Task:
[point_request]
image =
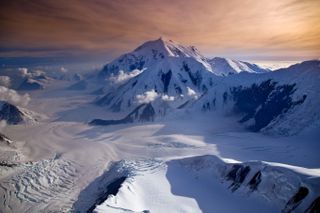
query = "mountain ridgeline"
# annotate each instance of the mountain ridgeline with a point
(162, 76)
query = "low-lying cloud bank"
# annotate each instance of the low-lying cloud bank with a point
(151, 96)
(13, 97)
(147, 97)
(5, 81)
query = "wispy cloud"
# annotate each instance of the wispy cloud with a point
(13, 97)
(217, 27)
(147, 97)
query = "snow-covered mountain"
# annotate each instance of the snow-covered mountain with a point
(161, 71)
(225, 66)
(150, 53)
(163, 76)
(284, 101)
(16, 115)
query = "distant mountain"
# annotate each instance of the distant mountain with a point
(225, 66)
(16, 115)
(10, 113)
(31, 84)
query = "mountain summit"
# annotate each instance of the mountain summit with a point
(162, 75)
(159, 50)
(154, 52)
(160, 67)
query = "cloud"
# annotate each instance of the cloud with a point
(24, 71)
(217, 27)
(167, 98)
(152, 95)
(5, 81)
(123, 76)
(147, 97)
(63, 70)
(38, 73)
(13, 97)
(192, 93)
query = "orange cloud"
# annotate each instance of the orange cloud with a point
(246, 28)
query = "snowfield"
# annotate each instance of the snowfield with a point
(175, 165)
(173, 150)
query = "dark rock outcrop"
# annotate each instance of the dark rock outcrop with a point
(10, 113)
(30, 84)
(255, 181)
(314, 207)
(296, 199)
(264, 102)
(143, 113)
(237, 175)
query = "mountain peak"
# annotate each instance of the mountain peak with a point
(168, 48)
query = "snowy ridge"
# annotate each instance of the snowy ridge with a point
(12, 114)
(225, 66)
(293, 90)
(277, 185)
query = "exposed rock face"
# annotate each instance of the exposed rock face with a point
(314, 207)
(31, 84)
(296, 199)
(264, 102)
(10, 113)
(143, 113)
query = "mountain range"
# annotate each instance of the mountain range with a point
(163, 76)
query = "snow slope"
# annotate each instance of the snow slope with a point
(225, 66)
(284, 101)
(209, 184)
(174, 73)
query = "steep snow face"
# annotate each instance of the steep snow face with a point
(225, 66)
(165, 70)
(214, 184)
(284, 101)
(173, 78)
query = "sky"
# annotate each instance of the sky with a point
(240, 29)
